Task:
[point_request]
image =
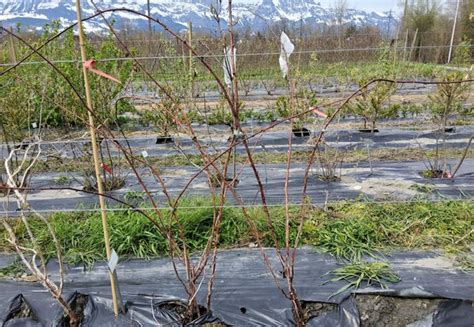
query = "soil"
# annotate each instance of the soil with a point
(429, 173)
(328, 179)
(180, 309)
(111, 184)
(21, 311)
(315, 309)
(78, 305)
(3, 191)
(385, 311)
(387, 189)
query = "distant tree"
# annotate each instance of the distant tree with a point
(467, 22)
(421, 16)
(340, 11)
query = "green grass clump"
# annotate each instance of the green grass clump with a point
(465, 262)
(370, 273)
(81, 236)
(354, 229)
(350, 239)
(15, 269)
(348, 230)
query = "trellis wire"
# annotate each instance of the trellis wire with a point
(72, 61)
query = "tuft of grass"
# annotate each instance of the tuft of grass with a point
(348, 230)
(349, 239)
(63, 180)
(433, 173)
(358, 273)
(15, 269)
(353, 229)
(178, 160)
(423, 188)
(465, 262)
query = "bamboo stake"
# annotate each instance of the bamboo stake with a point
(149, 20)
(412, 45)
(405, 47)
(191, 68)
(395, 46)
(453, 32)
(100, 186)
(235, 85)
(12, 47)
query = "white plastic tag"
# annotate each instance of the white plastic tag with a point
(113, 261)
(144, 154)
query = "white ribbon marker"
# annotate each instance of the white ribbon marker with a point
(287, 48)
(228, 66)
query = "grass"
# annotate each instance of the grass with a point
(432, 173)
(358, 228)
(350, 156)
(349, 239)
(370, 273)
(264, 71)
(15, 269)
(465, 262)
(348, 230)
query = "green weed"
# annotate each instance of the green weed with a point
(15, 269)
(370, 273)
(348, 230)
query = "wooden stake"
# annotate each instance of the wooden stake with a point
(191, 68)
(395, 46)
(149, 20)
(12, 46)
(412, 45)
(95, 154)
(405, 47)
(454, 32)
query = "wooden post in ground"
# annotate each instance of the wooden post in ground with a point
(12, 47)
(453, 32)
(95, 154)
(405, 47)
(413, 45)
(191, 65)
(149, 20)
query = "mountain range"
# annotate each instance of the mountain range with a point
(176, 14)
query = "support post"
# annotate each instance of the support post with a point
(413, 45)
(12, 47)
(95, 154)
(405, 47)
(149, 20)
(191, 64)
(454, 32)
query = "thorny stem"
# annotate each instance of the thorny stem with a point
(31, 265)
(234, 108)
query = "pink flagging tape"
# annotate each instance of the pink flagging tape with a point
(106, 168)
(318, 113)
(91, 66)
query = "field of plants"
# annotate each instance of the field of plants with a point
(270, 179)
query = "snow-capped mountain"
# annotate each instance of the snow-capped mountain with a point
(177, 13)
